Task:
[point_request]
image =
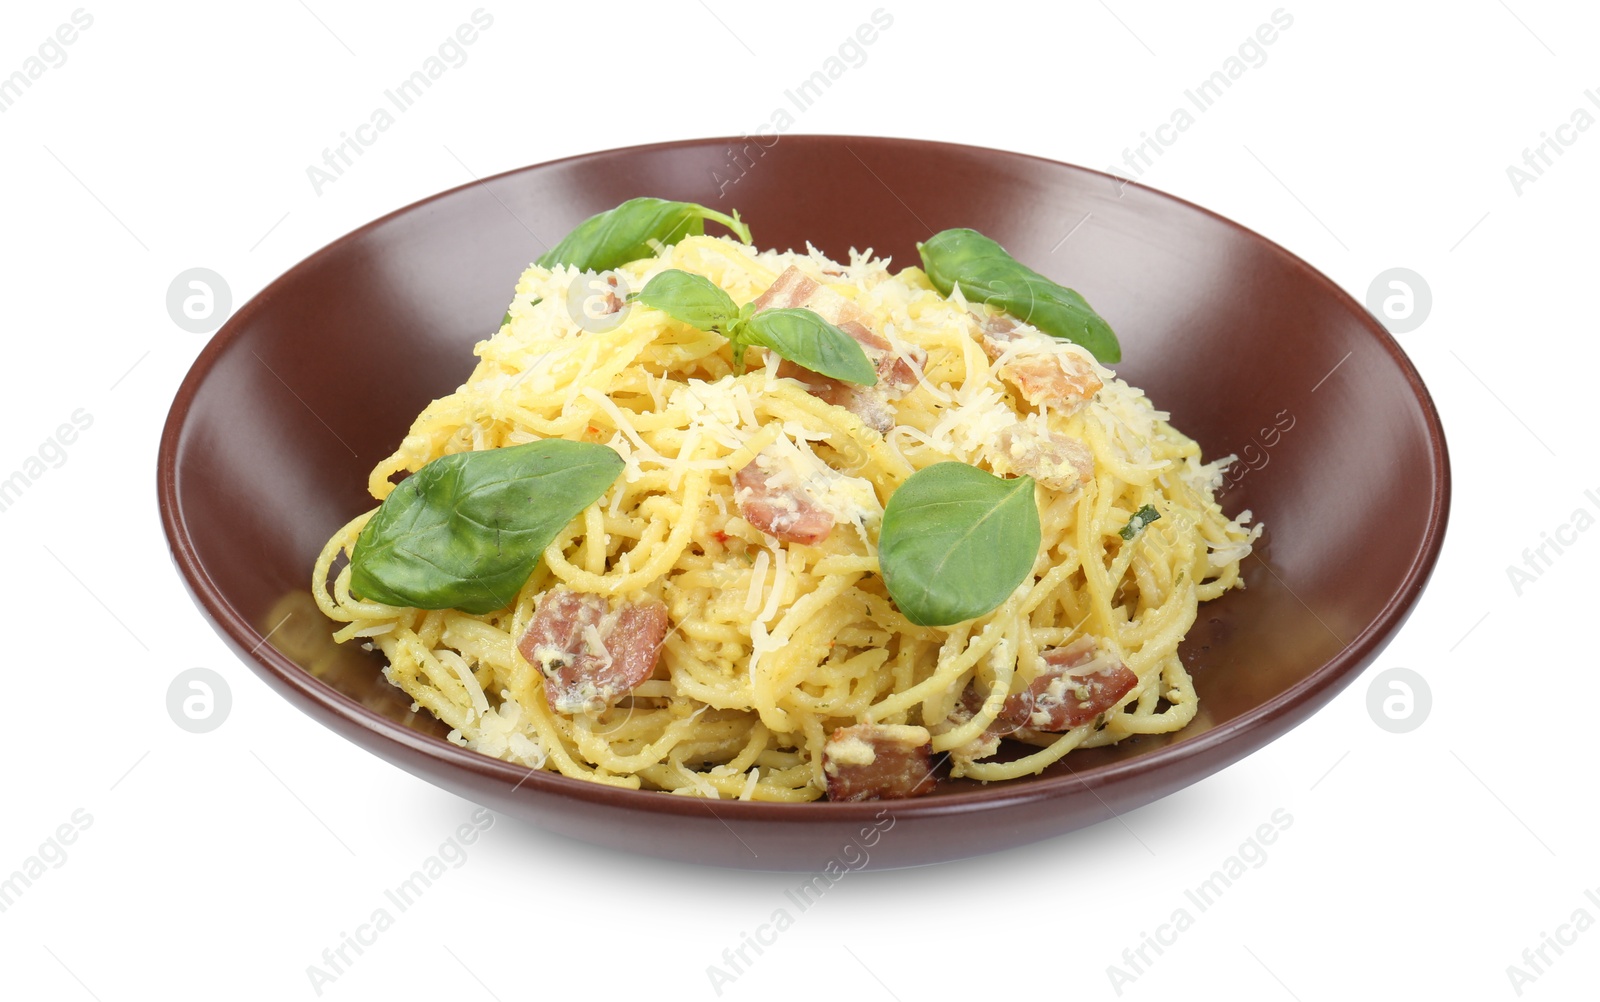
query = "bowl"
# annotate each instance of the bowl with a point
(269, 441)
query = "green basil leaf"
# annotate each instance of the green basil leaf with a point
(617, 236)
(988, 274)
(956, 541)
(1141, 518)
(466, 530)
(691, 299)
(803, 337)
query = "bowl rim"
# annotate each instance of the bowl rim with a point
(1334, 673)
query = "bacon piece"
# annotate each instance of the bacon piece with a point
(591, 654)
(789, 512)
(878, 762)
(868, 403)
(1082, 682)
(998, 327)
(794, 288)
(1013, 712)
(1079, 683)
(1063, 380)
(897, 372)
(1058, 461)
(1042, 376)
(984, 744)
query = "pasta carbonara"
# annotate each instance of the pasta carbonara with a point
(717, 623)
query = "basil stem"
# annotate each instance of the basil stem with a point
(1141, 518)
(466, 531)
(956, 541)
(986, 273)
(617, 236)
(799, 335)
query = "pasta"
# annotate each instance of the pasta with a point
(776, 649)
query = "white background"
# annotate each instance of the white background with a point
(221, 865)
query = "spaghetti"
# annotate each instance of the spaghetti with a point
(774, 647)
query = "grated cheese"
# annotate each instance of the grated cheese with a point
(780, 581)
(758, 581)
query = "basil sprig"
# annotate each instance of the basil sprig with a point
(617, 236)
(466, 530)
(799, 335)
(988, 274)
(956, 541)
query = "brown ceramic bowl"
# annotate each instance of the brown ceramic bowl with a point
(268, 444)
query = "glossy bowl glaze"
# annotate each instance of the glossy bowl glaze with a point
(269, 441)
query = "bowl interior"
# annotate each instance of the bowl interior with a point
(1251, 350)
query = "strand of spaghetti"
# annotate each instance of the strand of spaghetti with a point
(1179, 693)
(683, 526)
(788, 401)
(771, 791)
(989, 772)
(481, 642)
(951, 666)
(626, 425)
(754, 745)
(1090, 531)
(342, 608)
(469, 682)
(595, 540)
(767, 678)
(1109, 461)
(403, 653)
(418, 653)
(597, 749)
(548, 733)
(846, 563)
(846, 689)
(1001, 663)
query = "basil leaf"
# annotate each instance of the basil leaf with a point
(691, 299)
(956, 541)
(803, 337)
(617, 236)
(466, 530)
(988, 274)
(1141, 518)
